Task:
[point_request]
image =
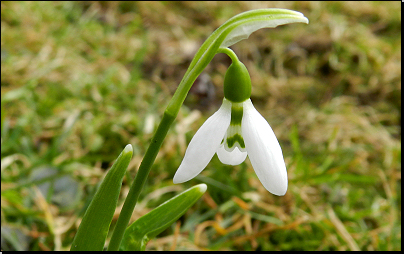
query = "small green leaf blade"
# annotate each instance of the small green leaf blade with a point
(94, 227)
(150, 225)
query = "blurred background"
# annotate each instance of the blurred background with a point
(80, 80)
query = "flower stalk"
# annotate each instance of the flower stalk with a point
(140, 179)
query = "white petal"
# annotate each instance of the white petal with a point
(264, 151)
(204, 144)
(233, 158)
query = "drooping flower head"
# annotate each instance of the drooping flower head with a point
(236, 130)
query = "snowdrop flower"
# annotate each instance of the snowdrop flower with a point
(236, 130)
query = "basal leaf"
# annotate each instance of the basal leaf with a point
(96, 221)
(150, 225)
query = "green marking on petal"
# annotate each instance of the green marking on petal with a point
(236, 138)
(234, 135)
(236, 114)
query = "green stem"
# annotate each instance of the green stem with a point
(230, 53)
(151, 153)
(140, 180)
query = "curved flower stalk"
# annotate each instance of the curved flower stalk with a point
(235, 130)
(235, 29)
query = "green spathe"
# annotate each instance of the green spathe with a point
(237, 82)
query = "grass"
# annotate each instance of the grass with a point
(80, 80)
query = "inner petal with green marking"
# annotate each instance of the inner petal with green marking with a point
(234, 137)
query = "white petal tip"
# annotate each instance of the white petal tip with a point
(181, 176)
(278, 190)
(279, 193)
(233, 158)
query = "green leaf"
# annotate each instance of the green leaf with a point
(150, 225)
(96, 221)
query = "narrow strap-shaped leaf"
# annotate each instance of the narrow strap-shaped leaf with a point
(150, 225)
(96, 221)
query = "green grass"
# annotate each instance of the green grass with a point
(80, 80)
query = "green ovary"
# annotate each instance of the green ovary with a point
(237, 83)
